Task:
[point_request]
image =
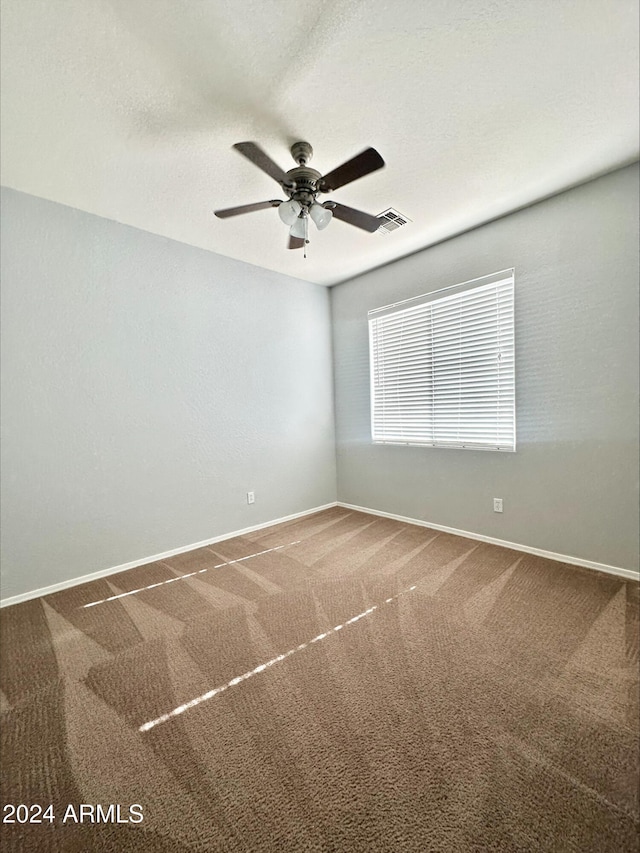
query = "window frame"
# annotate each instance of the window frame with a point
(500, 277)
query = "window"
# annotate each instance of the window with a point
(442, 367)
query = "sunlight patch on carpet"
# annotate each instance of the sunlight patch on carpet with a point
(189, 575)
(145, 727)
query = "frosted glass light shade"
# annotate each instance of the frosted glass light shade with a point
(320, 215)
(288, 211)
(299, 228)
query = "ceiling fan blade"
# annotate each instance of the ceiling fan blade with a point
(354, 217)
(296, 242)
(246, 208)
(258, 157)
(362, 164)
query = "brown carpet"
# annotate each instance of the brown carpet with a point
(402, 690)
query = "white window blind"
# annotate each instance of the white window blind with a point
(442, 368)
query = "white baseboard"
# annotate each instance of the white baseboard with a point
(539, 552)
(103, 573)
(550, 555)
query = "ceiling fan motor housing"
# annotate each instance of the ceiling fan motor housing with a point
(302, 185)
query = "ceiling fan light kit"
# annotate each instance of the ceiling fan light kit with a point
(289, 211)
(322, 216)
(303, 185)
(299, 227)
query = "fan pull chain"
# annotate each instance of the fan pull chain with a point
(306, 235)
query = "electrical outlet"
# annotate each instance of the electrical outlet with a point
(251, 497)
(497, 504)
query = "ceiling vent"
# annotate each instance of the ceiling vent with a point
(391, 220)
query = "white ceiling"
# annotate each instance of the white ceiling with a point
(128, 109)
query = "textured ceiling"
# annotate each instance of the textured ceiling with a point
(128, 109)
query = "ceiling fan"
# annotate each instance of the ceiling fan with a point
(303, 185)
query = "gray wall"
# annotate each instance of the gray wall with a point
(147, 385)
(572, 485)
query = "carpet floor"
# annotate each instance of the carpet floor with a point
(340, 682)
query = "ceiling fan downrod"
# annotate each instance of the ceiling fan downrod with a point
(301, 152)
